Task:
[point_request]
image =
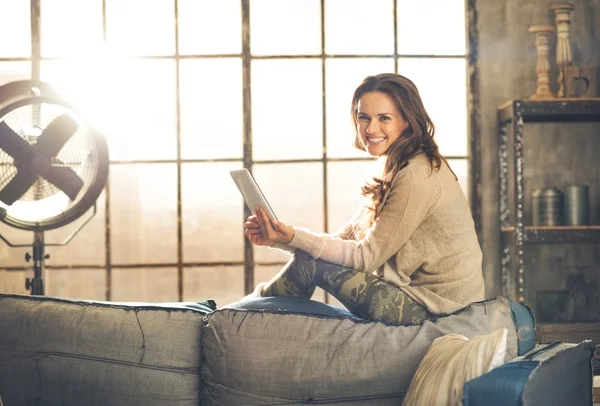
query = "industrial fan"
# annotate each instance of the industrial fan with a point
(53, 166)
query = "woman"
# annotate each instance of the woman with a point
(411, 252)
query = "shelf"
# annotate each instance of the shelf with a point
(552, 110)
(555, 235)
(568, 332)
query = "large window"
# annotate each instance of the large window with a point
(186, 90)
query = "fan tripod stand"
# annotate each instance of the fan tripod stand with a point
(36, 283)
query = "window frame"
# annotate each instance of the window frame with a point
(473, 138)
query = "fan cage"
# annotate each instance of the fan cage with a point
(44, 206)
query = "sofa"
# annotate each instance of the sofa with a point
(265, 351)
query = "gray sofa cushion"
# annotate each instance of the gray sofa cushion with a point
(55, 351)
(277, 352)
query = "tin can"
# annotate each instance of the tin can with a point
(547, 207)
(576, 205)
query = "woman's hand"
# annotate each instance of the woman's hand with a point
(262, 231)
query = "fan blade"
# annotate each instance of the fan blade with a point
(56, 135)
(12, 144)
(65, 179)
(17, 187)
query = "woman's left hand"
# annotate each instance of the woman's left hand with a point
(271, 230)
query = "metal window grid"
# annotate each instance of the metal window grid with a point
(474, 144)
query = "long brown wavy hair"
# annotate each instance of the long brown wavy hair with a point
(416, 138)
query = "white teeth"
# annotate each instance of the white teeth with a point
(374, 140)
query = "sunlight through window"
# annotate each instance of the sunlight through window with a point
(211, 108)
(13, 71)
(353, 27)
(296, 29)
(126, 101)
(287, 112)
(135, 28)
(76, 33)
(443, 33)
(212, 213)
(165, 84)
(202, 21)
(15, 29)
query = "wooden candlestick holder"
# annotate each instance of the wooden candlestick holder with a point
(542, 36)
(564, 57)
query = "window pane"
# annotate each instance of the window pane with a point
(442, 34)
(70, 78)
(15, 256)
(58, 38)
(265, 273)
(355, 28)
(144, 285)
(15, 29)
(76, 283)
(287, 120)
(295, 192)
(12, 71)
(143, 213)
(137, 124)
(344, 180)
(134, 28)
(213, 213)
(131, 101)
(14, 282)
(447, 108)
(144, 113)
(343, 76)
(202, 21)
(291, 27)
(223, 284)
(212, 122)
(87, 247)
(461, 170)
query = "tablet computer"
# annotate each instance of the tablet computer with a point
(252, 194)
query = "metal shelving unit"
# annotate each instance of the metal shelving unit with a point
(554, 235)
(512, 117)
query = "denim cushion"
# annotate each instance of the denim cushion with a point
(525, 322)
(554, 374)
(291, 305)
(292, 351)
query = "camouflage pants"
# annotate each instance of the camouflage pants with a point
(363, 294)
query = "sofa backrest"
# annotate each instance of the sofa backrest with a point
(288, 351)
(68, 352)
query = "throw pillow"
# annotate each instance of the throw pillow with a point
(451, 361)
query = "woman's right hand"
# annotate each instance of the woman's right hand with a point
(255, 234)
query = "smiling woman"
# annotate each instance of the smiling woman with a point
(410, 252)
(183, 94)
(379, 123)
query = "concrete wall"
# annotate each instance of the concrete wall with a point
(563, 154)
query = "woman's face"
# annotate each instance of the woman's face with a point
(379, 122)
